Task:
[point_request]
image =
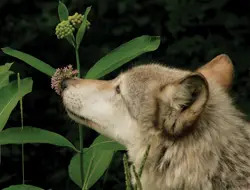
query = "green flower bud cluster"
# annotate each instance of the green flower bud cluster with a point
(67, 27)
(76, 20)
(64, 29)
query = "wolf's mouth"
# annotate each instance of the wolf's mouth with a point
(78, 116)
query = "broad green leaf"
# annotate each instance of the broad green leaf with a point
(95, 164)
(32, 61)
(23, 187)
(17, 135)
(74, 168)
(63, 12)
(104, 143)
(82, 29)
(123, 54)
(96, 160)
(4, 78)
(100, 161)
(6, 67)
(9, 97)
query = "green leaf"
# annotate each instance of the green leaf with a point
(4, 78)
(95, 164)
(71, 40)
(63, 12)
(17, 135)
(100, 161)
(9, 97)
(123, 54)
(96, 160)
(32, 61)
(82, 29)
(6, 67)
(104, 143)
(5, 74)
(22, 187)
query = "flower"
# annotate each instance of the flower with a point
(76, 20)
(64, 29)
(60, 75)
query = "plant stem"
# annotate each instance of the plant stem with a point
(81, 152)
(85, 185)
(137, 178)
(78, 62)
(145, 156)
(127, 173)
(0, 154)
(80, 127)
(21, 111)
(23, 163)
(143, 161)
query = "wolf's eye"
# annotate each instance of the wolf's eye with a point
(117, 89)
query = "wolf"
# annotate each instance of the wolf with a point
(198, 139)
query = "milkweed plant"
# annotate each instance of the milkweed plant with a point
(88, 164)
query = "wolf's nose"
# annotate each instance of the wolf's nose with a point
(64, 84)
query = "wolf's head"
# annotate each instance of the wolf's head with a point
(149, 99)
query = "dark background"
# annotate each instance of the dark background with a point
(192, 33)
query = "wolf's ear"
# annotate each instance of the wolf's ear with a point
(220, 69)
(183, 102)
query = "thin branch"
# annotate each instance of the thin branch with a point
(21, 111)
(127, 173)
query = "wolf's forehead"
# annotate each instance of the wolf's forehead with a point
(156, 73)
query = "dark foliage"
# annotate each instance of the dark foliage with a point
(192, 33)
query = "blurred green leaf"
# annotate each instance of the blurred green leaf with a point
(4, 78)
(32, 61)
(22, 187)
(82, 29)
(9, 98)
(123, 54)
(17, 135)
(63, 12)
(96, 160)
(4, 74)
(6, 67)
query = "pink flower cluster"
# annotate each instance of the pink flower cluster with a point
(60, 74)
